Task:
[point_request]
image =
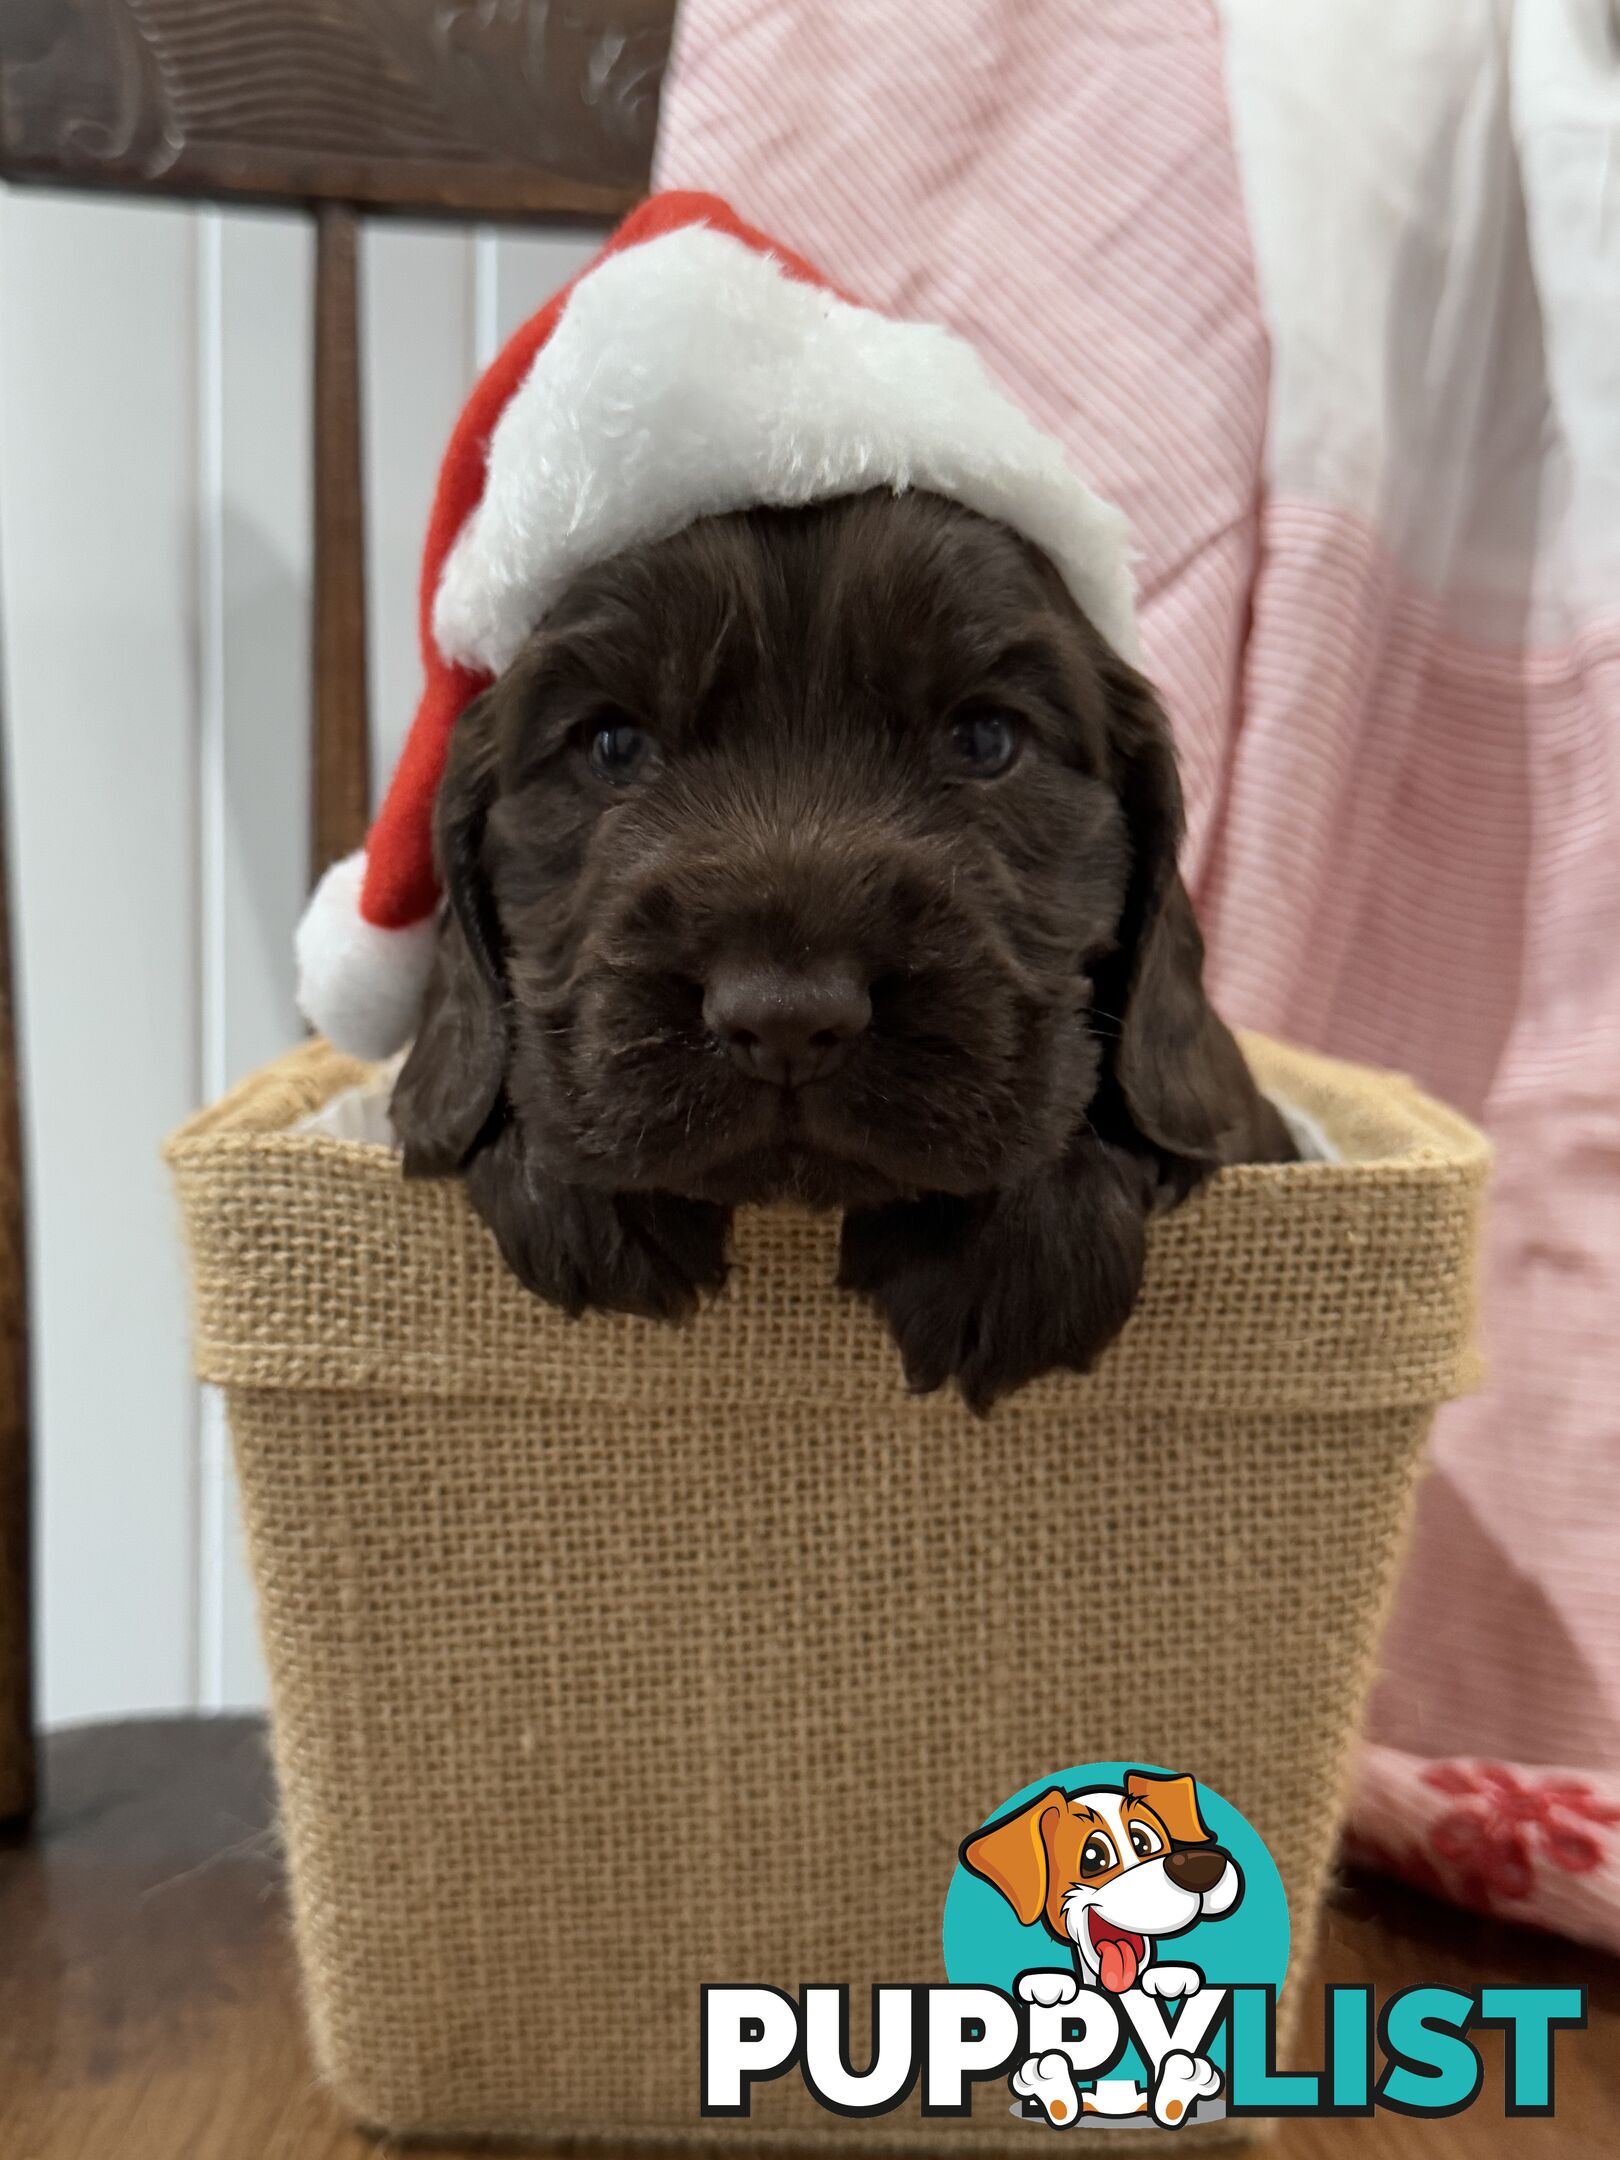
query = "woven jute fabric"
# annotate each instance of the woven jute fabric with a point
(607, 1660)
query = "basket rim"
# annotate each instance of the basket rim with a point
(1444, 1144)
(1403, 1219)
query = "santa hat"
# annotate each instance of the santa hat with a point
(692, 367)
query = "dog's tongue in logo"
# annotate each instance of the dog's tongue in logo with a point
(1119, 1953)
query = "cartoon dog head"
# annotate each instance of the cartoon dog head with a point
(1109, 1871)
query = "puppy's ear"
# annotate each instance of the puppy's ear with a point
(449, 1087)
(1182, 1075)
(1175, 1801)
(1012, 1855)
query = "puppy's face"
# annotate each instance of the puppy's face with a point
(798, 845)
(1110, 1871)
(804, 847)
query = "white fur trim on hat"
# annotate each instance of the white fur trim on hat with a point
(360, 985)
(691, 375)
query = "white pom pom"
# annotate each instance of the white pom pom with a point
(361, 986)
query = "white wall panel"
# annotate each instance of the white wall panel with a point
(529, 267)
(155, 573)
(98, 537)
(436, 304)
(255, 326)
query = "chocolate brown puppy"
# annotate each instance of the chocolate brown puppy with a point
(827, 854)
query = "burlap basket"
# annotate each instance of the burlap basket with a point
(608, 1659)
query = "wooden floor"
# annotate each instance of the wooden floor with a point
(148, 2007)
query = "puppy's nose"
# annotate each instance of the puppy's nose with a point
(786, 1025)
(1197, 1869)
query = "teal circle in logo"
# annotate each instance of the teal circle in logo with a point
(986, 1944)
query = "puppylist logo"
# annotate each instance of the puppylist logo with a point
(1115, 1938)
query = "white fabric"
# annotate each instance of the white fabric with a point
(1433, 193)
(691, 375)
(359, 1113)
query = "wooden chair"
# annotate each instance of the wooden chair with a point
(483, 109)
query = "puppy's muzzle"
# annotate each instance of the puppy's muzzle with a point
(786, 1026)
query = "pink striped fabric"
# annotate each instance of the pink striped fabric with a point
(1399, 721)
(913, 151)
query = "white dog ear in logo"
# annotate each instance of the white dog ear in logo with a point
(1175, 1801)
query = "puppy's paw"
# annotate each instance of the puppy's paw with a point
(1183, 2081)
(1049, 1989)
(1049, 2081)
(1170, 1983)
(995, 1290)
(645, 1253)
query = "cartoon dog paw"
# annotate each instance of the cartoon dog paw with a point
(1168, 1982)
(1049, 2080)
(1183, 2080)
(1048, 1988)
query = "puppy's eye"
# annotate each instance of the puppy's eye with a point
(1097, 1854)
(1144, 1842)
(621, 752)
(984, 744)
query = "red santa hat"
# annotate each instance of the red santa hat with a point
(692, 367)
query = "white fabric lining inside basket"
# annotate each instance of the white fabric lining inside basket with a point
(361, 1114)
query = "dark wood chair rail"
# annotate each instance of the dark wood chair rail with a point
(445, 107)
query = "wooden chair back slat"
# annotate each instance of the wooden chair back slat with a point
(340, 769)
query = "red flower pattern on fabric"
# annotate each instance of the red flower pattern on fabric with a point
(1504, 1823)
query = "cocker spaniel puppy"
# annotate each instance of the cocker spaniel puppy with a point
(827, 854)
